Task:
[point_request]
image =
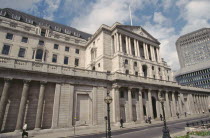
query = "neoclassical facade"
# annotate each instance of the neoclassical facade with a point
(54, 76)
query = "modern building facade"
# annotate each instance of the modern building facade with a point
(194, 56)
(54, 76)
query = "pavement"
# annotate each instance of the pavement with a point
(99, 131)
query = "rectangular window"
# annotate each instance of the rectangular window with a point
(21, 52)
(54, 58)
(77, 51)
(24, 39)
(67, 49)
(41, 42)
(136, 73)
(9, 36)
(133, 95)
(76, 63)
(122, 94)
(56, 46)
(66, 60)
(5, 50)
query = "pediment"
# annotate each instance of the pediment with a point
(139, 31)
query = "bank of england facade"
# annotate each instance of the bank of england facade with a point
(53, 76)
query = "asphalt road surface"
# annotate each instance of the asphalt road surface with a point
(153, 131)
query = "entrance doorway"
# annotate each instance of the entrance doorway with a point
(122, 113)
(145, 111)
(154, 107)
(134, 113)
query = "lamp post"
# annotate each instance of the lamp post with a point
(108, 100)
(165, 130)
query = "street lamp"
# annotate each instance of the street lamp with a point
(108, 100)
(165, 130)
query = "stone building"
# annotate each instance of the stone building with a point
(194, 56)
(54, 76)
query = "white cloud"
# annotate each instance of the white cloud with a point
(167, 37)
(196, 14)
(159, 18)
(105, 12)
(52, 6)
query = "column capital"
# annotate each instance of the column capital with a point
(115, 86)
(8, 79)
(26, 81)
(140, 88)
(43, 82)
(130, 88)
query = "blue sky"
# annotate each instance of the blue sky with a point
(166, 20)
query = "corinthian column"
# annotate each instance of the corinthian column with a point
(141, 116)
(130, 107)
(40, 106)
(23, 101)
(4, 98)
(150, 103)
(167, 105)
(116, 103)
(174, 104)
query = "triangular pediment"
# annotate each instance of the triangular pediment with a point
(139, 31)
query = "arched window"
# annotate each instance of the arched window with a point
(39, 54)
(126, 61)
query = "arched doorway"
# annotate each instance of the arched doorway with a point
(154, 107)
(144, 70)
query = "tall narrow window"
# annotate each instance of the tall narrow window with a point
(67, 49)
(21, 52)
(66, 60)
(76, 63)
(9, 36)
(5, 50)
(54, 58)
(56, 46)
(77, 51)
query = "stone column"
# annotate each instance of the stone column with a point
(144, 48)
(94, 111)
(130, 107)
(40, 106)
(23, 101)
(206, 103)
(127, 45)
(196, 104)
(120, 43)
(150, 103)
(117, 43)
(56, 106)
(116, 104)
(141, 112)
(167, 105)
(135, 49)
(180, 104)
(4, 98)
(138, 49)
(174, 104)
(152, 53)
(147, 53)
(158, 55)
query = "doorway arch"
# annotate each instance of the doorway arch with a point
(154, 107)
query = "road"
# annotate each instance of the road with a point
(153, 131)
